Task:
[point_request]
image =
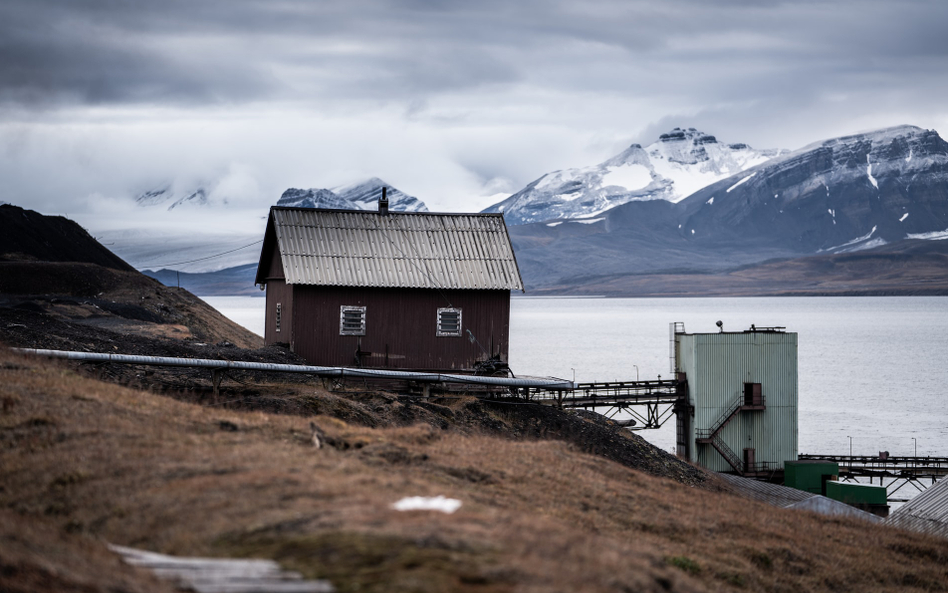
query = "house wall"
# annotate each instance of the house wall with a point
(278, 292)
(400, 329)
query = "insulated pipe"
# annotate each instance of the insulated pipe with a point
(538, 383)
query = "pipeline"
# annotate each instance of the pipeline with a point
(551, 383)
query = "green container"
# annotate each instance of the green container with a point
(809, 476)
(856, 494)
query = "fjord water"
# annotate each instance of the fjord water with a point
(871, 368)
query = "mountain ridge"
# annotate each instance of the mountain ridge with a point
(674, 166)
(363, 195)
(826, 197)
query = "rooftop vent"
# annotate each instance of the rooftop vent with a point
(383, 201)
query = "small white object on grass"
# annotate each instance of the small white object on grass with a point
(427, 503)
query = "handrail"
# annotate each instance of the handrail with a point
(707, 433)
(728, 454)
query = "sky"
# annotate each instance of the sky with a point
(457, 103)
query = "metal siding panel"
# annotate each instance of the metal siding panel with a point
(926, 513)
(717, 365)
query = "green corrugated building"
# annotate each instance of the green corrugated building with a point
(809, 476)
(742, 388)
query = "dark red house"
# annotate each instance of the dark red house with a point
(388, 289)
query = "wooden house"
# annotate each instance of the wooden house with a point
(388, 289)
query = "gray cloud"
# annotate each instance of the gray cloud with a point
(448, 100)
(96, 51)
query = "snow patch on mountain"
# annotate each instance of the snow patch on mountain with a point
(745, 179)
(932, 236)
(168, 194)
(680, 163)
(872, 179)
(630, 176)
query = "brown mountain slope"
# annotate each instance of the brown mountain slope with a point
(908, 268)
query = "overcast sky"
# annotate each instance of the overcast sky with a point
(457, 103)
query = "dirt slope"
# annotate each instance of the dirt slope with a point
(87, 461)
(52, 268)
(29, 235)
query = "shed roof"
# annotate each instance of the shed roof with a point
(791, 498)
(393, 250)
(926, 513)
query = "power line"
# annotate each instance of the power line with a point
(208, 257)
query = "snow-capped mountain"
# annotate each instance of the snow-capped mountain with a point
(358, 196)
(843, 194)
(313, 198)
(854, 192)
(680, 163)
(166, 194)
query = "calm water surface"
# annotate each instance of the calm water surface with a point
(871, 368)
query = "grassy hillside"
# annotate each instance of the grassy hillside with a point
(86, 462)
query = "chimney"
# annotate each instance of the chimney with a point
(383, 201)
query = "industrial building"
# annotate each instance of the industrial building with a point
(741, 413)
(382, 289)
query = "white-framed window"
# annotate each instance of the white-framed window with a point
(351, 321)
(449, 322)
(279, 315)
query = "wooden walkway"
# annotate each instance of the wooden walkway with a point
(216, 575)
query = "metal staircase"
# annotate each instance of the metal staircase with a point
(726, 452)
(711, 437)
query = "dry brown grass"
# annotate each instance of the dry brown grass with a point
(107, 463)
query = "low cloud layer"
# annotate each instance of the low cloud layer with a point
(454, 103)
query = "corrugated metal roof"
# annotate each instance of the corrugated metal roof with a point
(791, 498)
(772, 494)
(828, 506)
(395, 250)
(926, 513)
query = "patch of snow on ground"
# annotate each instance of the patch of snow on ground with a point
(588, 220)
(554, 223)
(711, 201)
(909, 157)
(427, 503)
(630, 176)
(872, 179)
(740, 182)
(832, 212)
(904, 216)
(934, 236)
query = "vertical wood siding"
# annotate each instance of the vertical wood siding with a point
(401, 326)
(278, 292)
